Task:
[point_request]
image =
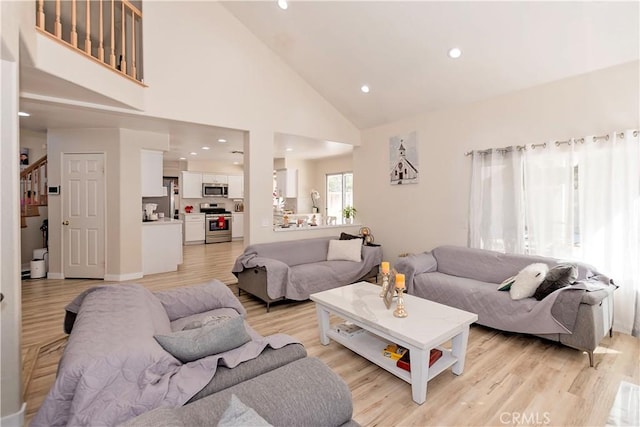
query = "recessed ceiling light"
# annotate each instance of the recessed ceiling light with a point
(205, 148)
(455, 53)
(23, 114)
(193, 153)
(183, 158)
(222, 140)
(236, 163)
(282, 4)
(365, 88)
(288, 149)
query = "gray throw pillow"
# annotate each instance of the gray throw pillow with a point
(211, 338)
(240, 415)
(559, 276)
(204, 321)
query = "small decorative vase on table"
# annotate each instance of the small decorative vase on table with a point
(400, 311)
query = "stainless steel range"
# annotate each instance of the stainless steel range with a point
(217, 223)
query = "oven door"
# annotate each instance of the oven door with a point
(218, 228)
(216, 223)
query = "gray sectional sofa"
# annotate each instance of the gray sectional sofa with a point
(578, 316)
(115, 370)
(295, 269)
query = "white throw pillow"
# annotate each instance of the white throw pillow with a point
(527, 281)
(345, 250)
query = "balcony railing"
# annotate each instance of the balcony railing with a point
(108, 31)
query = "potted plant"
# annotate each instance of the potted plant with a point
(349, 212)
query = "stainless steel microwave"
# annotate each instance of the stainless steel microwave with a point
(215, 190)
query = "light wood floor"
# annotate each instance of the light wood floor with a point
(508, 378)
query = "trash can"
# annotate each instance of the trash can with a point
(38, 269)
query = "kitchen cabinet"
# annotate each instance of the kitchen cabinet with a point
(236, 186)
(194, 228)
(161, 246)
(287, 183)
(237, 225)
(209, 178)
(151, 173)
(191, 185)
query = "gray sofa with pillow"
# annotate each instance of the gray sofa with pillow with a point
(295, 269)
(185, 351)
(575, 310)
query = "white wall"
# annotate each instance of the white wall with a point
(11, 403)
(228, 78)
(415, 218)
(122, 163)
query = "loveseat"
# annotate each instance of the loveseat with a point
(141, 357)
(295, 269)
(578, 316)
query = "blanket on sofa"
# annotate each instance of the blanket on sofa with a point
(113, 369)
(296, 269)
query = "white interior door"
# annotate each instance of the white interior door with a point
(83, 214)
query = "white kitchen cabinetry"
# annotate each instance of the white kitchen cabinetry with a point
(236, 186)
(151, 173)
(208, 178)
(194, 228)
(191, 185)
(161, 246)
(287, 183)
(237, 225)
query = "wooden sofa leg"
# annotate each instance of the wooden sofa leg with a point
(268, 308)
(590, 358)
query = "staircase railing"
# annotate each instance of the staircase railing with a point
(33, 188)
(110, 31)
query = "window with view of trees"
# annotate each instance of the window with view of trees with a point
(339, 193)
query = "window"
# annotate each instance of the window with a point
(339, 194)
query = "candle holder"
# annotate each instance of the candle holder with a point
(385, 284)
(400, 311)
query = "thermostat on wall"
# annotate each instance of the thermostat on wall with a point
(54, 190)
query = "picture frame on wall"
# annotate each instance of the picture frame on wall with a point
(403, 159)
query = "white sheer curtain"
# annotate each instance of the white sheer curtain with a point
(609, 205)
(495, 209)
(577, 200)
(550, 197)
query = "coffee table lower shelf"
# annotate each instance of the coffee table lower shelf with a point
(370, 346)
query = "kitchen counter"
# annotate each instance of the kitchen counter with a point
(314, 227)
(161, 246)
(163, 221)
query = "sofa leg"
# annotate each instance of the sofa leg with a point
(590, 358)
(611, 332)
(268, 307)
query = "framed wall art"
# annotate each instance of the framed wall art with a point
(403, 159)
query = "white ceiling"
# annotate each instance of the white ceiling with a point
(399, 49)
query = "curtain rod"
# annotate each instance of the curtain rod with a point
(544, 144)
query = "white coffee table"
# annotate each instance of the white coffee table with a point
(428, 326)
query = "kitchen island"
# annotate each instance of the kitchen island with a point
(161, 245)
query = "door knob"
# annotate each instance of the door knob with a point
(65, 222)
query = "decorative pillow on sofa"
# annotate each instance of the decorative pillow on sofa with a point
(211, 338)
(239, 415)
(506, 284)
(560, 276)
(345, 250)
(527, 280)
(347, 236)
(204, 321)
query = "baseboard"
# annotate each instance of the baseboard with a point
(16, 419)
(55, 276)
(122, 277)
